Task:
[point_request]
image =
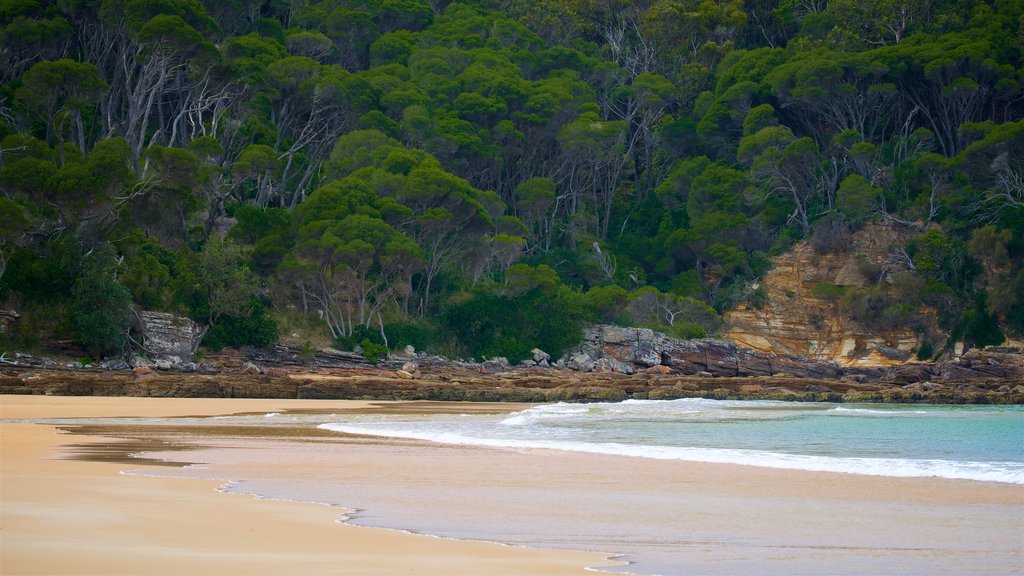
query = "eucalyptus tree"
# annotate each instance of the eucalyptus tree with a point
(58, 93)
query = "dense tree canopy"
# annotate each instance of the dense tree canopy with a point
(401, 163)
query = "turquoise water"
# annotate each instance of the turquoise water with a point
(965, 442)
(640, 504)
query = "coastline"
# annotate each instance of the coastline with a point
(84, 517)
(723, 518)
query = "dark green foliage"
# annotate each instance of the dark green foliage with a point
(100, 308)
(415, 164)
(977, 327)
(43, 275)
(372, 351)
(926, 351)
(257, 328)
(359, 335)
(488, 324)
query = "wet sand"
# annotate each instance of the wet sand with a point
(694, 518)
(61, 516)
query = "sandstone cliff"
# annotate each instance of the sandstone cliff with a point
(795, 321)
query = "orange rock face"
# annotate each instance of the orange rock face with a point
(796, 321)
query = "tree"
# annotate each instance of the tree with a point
(794, 172)
(100, 308)
(224, 282)
(59, 92)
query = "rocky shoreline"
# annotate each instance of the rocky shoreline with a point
(523, 385)
(611, 364)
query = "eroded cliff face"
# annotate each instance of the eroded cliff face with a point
(795, 321)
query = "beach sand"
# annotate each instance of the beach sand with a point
(61, 516)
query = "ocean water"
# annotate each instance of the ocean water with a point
(613, 477)
(984, 443)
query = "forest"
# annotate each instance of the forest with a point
(477, 178)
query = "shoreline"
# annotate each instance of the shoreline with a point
(726, 517)
(63, 515)
(531, 385)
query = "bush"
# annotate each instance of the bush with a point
(830, 292)
(359, 335)
(489, 324)
(256, 329)
(100, 307)
(926, 351)
(373, 351)
(421, 335)
(977, 327)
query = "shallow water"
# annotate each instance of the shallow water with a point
(491, 476)
(974, 443)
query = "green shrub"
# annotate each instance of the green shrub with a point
(258, 329)
(926, 351)
(100, 310)
(830, 292)
(373, 351)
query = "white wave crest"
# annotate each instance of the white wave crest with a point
(1009, 472)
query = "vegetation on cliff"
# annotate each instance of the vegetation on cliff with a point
(481, 177)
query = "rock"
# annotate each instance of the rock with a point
(136, 361)
(7, 320)
(277, 372)
(817, 388)
(612, 365)
(403, 374)
(165, 335)
(499, 364)
(410, 367)
(581, 362)
(614, 334)
(893, 353)
(908, 373)
(143, 373)
(114, 364)
(646, 352)
(659, 369)
(249, 369)
(540, 355)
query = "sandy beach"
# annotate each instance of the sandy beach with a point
(61, 516)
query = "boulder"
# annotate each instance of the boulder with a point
(143, 373)
(659, 369)
(613, 365)
(615, 334)
(249, 369)
(403, 375)
(646, 352)
(581, 362)
(167, 336)
(540, 355)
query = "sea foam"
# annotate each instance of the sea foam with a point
(1009, 472)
